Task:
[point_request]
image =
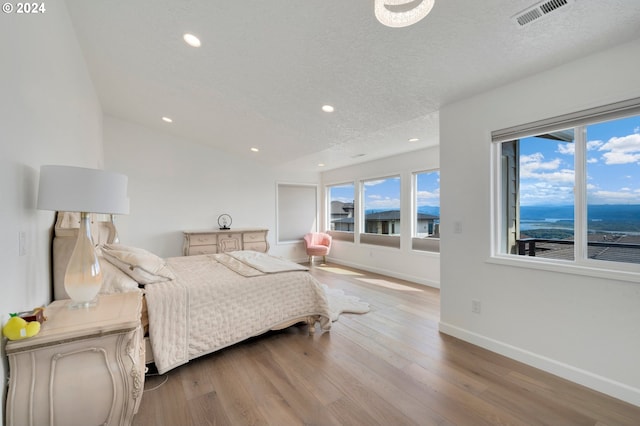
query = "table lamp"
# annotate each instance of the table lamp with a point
(78, 189)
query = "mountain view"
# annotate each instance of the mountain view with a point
(558, 222)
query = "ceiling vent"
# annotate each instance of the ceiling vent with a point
(539, 10)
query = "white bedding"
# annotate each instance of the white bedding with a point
(210, 306)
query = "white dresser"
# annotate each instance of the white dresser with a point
(224, 240)
(85, 367)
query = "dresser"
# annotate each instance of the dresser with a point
(85, 367)
(224, 240)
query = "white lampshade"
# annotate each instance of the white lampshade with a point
(78, 189)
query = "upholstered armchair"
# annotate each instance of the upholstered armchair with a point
(317, 244)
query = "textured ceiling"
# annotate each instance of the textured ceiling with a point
(267, 66)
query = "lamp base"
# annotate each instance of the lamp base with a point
(74, 305)
(83, 278)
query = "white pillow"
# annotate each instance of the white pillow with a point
(140, 264)
(114, 280)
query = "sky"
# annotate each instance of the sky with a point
(613, 166)
(546, 172)
(384, 194)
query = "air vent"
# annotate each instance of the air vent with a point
(538, 11)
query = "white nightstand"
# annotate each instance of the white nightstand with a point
(85, 367)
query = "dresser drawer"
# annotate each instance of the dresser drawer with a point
(252, 237)
(229, 242)
(195, 250)
(257, 246)
(202, 239)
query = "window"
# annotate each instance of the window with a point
(538, 192)
(381, 201)
(426, 219)
(613, 190)
(570, 187)
(427, 205)
(341, 205)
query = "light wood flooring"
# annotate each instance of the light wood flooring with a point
(390, 366)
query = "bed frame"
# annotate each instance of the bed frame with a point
(103, 231)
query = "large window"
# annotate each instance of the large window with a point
(341, 205)
(572, 193)
(381, 206)
(427, 205)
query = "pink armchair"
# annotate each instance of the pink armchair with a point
(317, 244)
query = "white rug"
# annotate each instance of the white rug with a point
(341, 303)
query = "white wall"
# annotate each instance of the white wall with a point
(49, 114)
(580, 327)
(177, 185)
(405, 263)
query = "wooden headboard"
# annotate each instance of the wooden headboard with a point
(65, 234)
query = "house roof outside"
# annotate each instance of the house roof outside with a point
(395, 215)
(341, 208)
(389, 215)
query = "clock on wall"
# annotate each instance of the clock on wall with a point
(224, 221)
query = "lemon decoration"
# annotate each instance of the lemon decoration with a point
(33, 328)
(17, 328)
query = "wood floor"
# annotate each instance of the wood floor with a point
(390, 366)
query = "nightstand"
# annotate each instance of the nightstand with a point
(85, 367)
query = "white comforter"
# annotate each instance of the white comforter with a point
(210, 306)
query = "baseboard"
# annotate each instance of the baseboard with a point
(393, 274)
(585, 378)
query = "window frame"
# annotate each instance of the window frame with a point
(385, 240)
(341, 235)
(426, 244)
(581, 264)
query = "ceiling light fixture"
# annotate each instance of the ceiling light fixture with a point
(401, 13)
(327, 108)
(167, 120)
(414, 140)
(320, 164)
(191, 40)
(254, 149)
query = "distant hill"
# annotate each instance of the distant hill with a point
(602, 217)
(430, 210)
(599, 212)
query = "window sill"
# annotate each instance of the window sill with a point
(566, 267)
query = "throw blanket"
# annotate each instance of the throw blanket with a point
(209, 306)
(252, 263)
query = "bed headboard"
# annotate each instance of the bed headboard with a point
(103, 231)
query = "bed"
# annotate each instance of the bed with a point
(196, 305)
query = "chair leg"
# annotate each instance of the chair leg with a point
(324, 259)
(310, 260)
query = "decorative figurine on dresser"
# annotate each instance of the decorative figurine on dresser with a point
(84, 367)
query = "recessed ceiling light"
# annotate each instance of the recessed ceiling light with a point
(327, 108)
(191, 40)
(320, 164)
(167, 120)
(254, 149)
(414, 140)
